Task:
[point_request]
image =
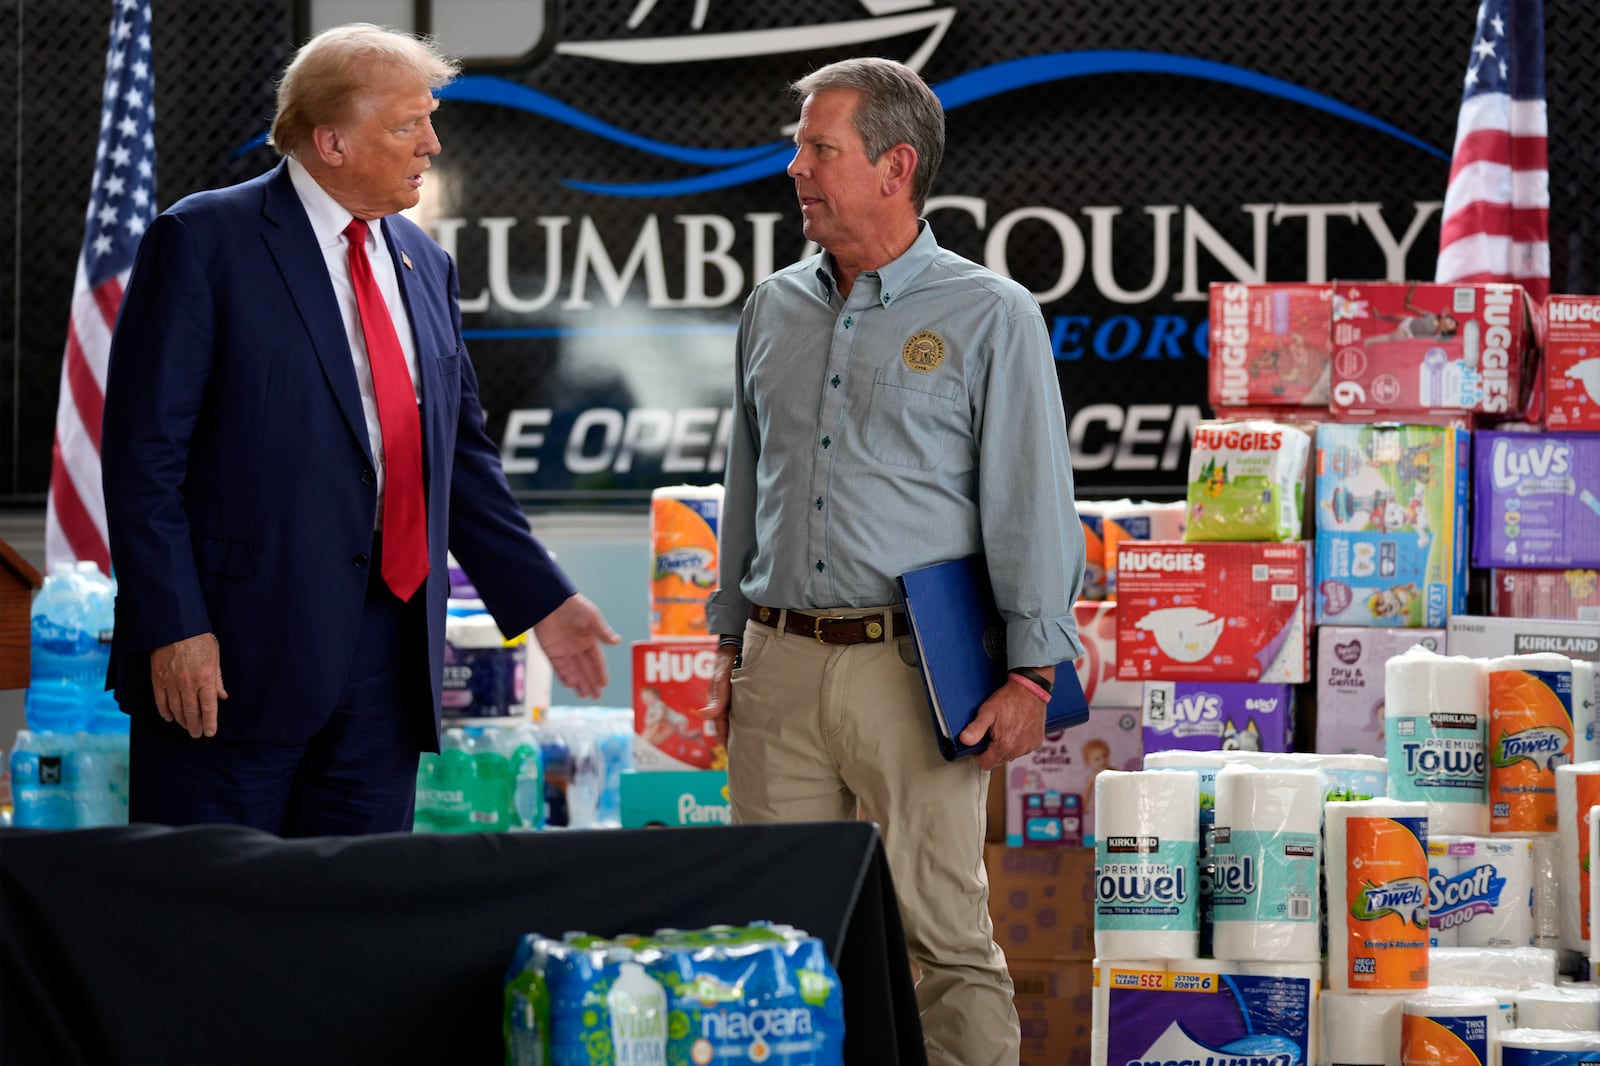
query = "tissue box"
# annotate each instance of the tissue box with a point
(1572, 362)
(1097, 667)
(1214, 612)
(1413, 346)
(1217, 716)
(1571, 594)
(1538, 500)
(670, 681)
(1350, 683)
(1050, 792)
(1391, 524)
(1490, 638)
(1269, 345)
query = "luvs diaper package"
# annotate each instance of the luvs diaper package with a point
(1391, 524)
(1246, 481)
(1538, 501)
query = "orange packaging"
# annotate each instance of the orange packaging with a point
(1386, 884)
(1530, 734)
(1588, 798)
(683, 544)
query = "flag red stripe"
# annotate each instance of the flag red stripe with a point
(86, 394)
(76, 524)
(1497, 146)
(108, 294)
(1524, 225)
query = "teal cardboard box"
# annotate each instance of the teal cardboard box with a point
(675, 797)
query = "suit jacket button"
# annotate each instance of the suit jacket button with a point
(361, 560)
(368, 477)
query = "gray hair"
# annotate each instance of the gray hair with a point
(334, 69)
(896, 107)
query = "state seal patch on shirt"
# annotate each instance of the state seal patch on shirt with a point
(924, 351)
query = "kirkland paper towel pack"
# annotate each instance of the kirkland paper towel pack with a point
(1577, 792)
(1264, 884)
(1204, 765)
(1376, 867)
(1434, 733)
(1362, 1028)
(1146, 854)
(1445, 1026)
(1480, 891)
(1530, 734)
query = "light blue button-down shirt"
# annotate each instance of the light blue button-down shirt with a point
(918, 420)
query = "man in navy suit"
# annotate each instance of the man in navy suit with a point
(292, 441)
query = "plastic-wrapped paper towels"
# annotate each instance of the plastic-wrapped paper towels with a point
(1376, 872)
(1480, 891)
(1530, 734)
(1266, 852)
(1517, 968)
(1565, 1007)
(684, 520)
(1146, 858)
(1548, 1047)
(1446, 1026)
(1435, 727)
(1577, 793)
(1362, 1028)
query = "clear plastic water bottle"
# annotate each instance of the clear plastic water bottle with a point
(39, 791)
(63, 654)
(528, 797)
(587, 782)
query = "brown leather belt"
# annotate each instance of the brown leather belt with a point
(833, 628)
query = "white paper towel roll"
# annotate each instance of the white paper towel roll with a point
(1510, 967)
(1362, 1028)
(1109, 974)
(1488, 900)
(1577, 792)
(1522, 1047)
(1447, 1025)
(1547, 890)
(1376, 873)
(1146, 854)
(1444, 864)
(1203, 764)
(1435, 725)
(1585, 712)
(1530, 734)
(1267, 851)
(1567, 1007)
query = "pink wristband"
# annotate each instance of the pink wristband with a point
(1031, 686)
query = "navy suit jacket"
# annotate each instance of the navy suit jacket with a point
(239, 481)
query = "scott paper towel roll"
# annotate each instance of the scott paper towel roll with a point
(684, 520)
(1435, 710)
(1266, 862)
(1449, 1025)
(1509, 967)
(1530, 734)
(1585, 712)
(1548, 1047)
(1566, 1007)
(1486, 898)
(1146, 853)
(1443, 866)
(1362, 1028)
(1577, 792)
(1376, 873)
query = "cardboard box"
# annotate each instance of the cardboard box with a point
(1214, 612)
(675, 797)
(1217, 716)
(1490, 638)
(1573, 594)
(1416, 346)
(1391, 524)
(1538, 500)
(1350, 683)
(1050, 792)
(1042, 901)
(1055, 1001)
(1270, 345)
(1097, 667)
(1572, 362)
(670, 681)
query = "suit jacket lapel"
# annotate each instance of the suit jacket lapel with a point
(419, 309)
(304, 271)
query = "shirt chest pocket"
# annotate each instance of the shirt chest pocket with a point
(912, 418)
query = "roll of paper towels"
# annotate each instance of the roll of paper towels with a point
(1585, 712)
(1267, 860)
(1353, 777)
(1546, 1047)
(1566, 1007)
(1486, 898)
(1449, 1025)
(1435, 726)
(1376, 873)
(1203, 764)
(1146, 855)
(1362, 1028)
(1444, 866)
(1530, 734)
(1517, 968)
(1577, 792)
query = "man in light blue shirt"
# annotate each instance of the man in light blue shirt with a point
(896, 405)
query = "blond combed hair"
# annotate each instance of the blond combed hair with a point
(331, 72)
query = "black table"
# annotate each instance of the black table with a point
(217, 944)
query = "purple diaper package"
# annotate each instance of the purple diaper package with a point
(1350, 682)
(1154, 1017)
(1537, 498)
(1217, 716)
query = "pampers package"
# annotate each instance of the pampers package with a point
(1269, 344)
(1246, 481)
(725, 995)
(1050, 791)
(1538, 500)
(1411, 346)
(1214, 612)
(1217, 716)
(1391, 524)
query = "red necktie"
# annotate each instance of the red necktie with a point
(405, 523)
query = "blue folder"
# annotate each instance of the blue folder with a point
(961, 641)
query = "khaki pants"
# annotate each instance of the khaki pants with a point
(813, 729)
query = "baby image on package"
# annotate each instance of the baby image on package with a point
(1391, 503)
(1246, 481)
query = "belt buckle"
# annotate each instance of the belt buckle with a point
(818, 619)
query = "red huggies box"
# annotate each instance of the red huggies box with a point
(1269, 345)
(1572, 362)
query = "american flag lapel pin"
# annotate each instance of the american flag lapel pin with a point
(406, 259)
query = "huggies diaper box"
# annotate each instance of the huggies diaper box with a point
(1391, 524)
(1246, 481)
(1537, 500)
(1413, 346)
(1269, 345)
(1351, 664)
(1050, 791)
(671, 679)
(1217, 716)
(1571, 594)
(1572, 362)
(1214, 612)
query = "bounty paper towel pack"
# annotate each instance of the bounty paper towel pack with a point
(684, 520)
(1530, 734)
(1269, 345)
(1435, 718)
(1350, 683)
(1376, 876)
(1217, 715)
(1391, 524)
(1246, 481)
(1537, 500)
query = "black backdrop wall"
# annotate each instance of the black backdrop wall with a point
(1115, 157)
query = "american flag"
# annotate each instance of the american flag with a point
(1496, 221)
(122, 205)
